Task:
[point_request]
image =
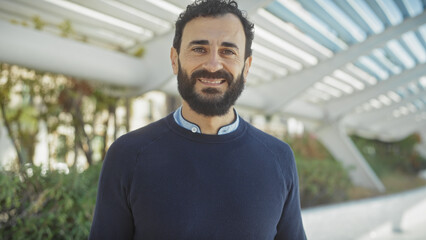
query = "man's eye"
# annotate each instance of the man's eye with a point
(228, 52)
(199, 50)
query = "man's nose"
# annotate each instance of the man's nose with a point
(213, 63)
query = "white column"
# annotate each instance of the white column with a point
(343, 149)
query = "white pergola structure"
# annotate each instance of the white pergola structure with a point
(350, 66)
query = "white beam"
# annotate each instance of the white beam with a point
(311, 115)
(304, 109)
(47, 52)
(345, 104)
(401, 130)
(77, 17)
(393, 129)
(284, 35)
(385, 112)
(157, 62)
(282, 91)
(404, 124)
(343, 150)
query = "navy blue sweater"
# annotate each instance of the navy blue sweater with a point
(165, 182)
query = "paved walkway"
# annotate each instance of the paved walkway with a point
(400, 216)
(411, 227)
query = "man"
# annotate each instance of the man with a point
(201, 172)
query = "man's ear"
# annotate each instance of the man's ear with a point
(247, 64)
(174, 58)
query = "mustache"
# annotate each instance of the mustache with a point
(202, 73)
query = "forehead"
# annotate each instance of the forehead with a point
(226, 28)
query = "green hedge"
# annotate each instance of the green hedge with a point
(52, 205)
(389, 157)
(322, 181)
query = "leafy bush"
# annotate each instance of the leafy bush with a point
(389, 157)
(322, 179)
(51, 205)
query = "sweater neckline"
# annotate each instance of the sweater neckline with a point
(207, 138)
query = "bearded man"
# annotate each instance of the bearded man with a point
(202, 172)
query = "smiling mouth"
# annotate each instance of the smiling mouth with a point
(211, 82)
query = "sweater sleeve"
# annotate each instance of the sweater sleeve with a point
(113, 217)
(290, 226)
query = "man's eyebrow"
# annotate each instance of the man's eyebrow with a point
(206, 42)
(199, 42)
(229, 44)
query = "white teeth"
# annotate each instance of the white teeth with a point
(214, 82)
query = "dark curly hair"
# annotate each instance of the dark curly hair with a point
(213, 8)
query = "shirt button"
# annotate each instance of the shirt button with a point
(194, 129)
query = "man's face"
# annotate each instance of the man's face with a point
(211, 68)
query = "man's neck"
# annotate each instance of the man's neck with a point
(208, 124)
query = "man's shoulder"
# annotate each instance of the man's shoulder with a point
(268, 140)
(282, 152)
(143, 136)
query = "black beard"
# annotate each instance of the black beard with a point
(216, 104)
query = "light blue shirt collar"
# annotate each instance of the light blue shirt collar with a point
(196, 129)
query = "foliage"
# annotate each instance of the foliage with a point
(322, 179)
(19, 110)
(38, 22)
(47, 205)
(139, 52)
(66, 28)
(308, 146)
(37, 202)
(71, 110)
(389, 157)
